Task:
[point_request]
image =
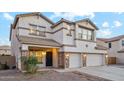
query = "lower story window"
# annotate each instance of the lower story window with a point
(37, 54)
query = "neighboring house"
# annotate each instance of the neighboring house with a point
(5, 50)
(63, 44)
(115, 47)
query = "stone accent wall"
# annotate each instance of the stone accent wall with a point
(61, 62)
(26, 54)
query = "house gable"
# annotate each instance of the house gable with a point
(28, 15)
(87, 23)
(33, 20)
(23, 20)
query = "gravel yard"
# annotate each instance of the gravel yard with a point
(50, 75)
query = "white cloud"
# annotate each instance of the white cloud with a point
(8, 16)
(104, 33)
(120, 13)
(117, 23)
(105, 25)
(72, 15)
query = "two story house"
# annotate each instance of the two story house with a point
(115, 47)
(64, 44)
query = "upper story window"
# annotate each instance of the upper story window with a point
(85, 34)
(109, 45)
(122, 42)
(37, 30)
(37, 27)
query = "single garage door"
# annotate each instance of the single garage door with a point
(75, 61)
(94, 60)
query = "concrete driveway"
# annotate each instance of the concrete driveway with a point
(113, 72)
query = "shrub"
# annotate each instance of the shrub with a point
(30, 64)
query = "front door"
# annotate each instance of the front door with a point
(48, 58)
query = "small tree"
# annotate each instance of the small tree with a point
(30, 64)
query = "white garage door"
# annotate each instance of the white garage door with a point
(94, 60)
(75, 61)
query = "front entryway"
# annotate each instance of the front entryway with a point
(49, 59)
(46, 56)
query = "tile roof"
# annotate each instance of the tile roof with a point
(38, 41)
(62, 20)
(121, 51)
(111, 39)
(99, 47)
(73, 22)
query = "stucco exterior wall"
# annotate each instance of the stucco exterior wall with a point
(120, 44)
(81, 46)
(113, 50)
(99, 42)
(68, 39)
(58, 35)
(15, 47)
(120, 58)
(25, 21)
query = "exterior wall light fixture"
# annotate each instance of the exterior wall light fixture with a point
(67, 60)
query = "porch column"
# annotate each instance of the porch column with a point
(84, 57)
(55, 57)
(106, 59)
(24, 53)
(61, 59)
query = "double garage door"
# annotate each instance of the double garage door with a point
(75, 60)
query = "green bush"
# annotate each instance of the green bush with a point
(30, 64)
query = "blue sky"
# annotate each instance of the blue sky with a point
(109, 23)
